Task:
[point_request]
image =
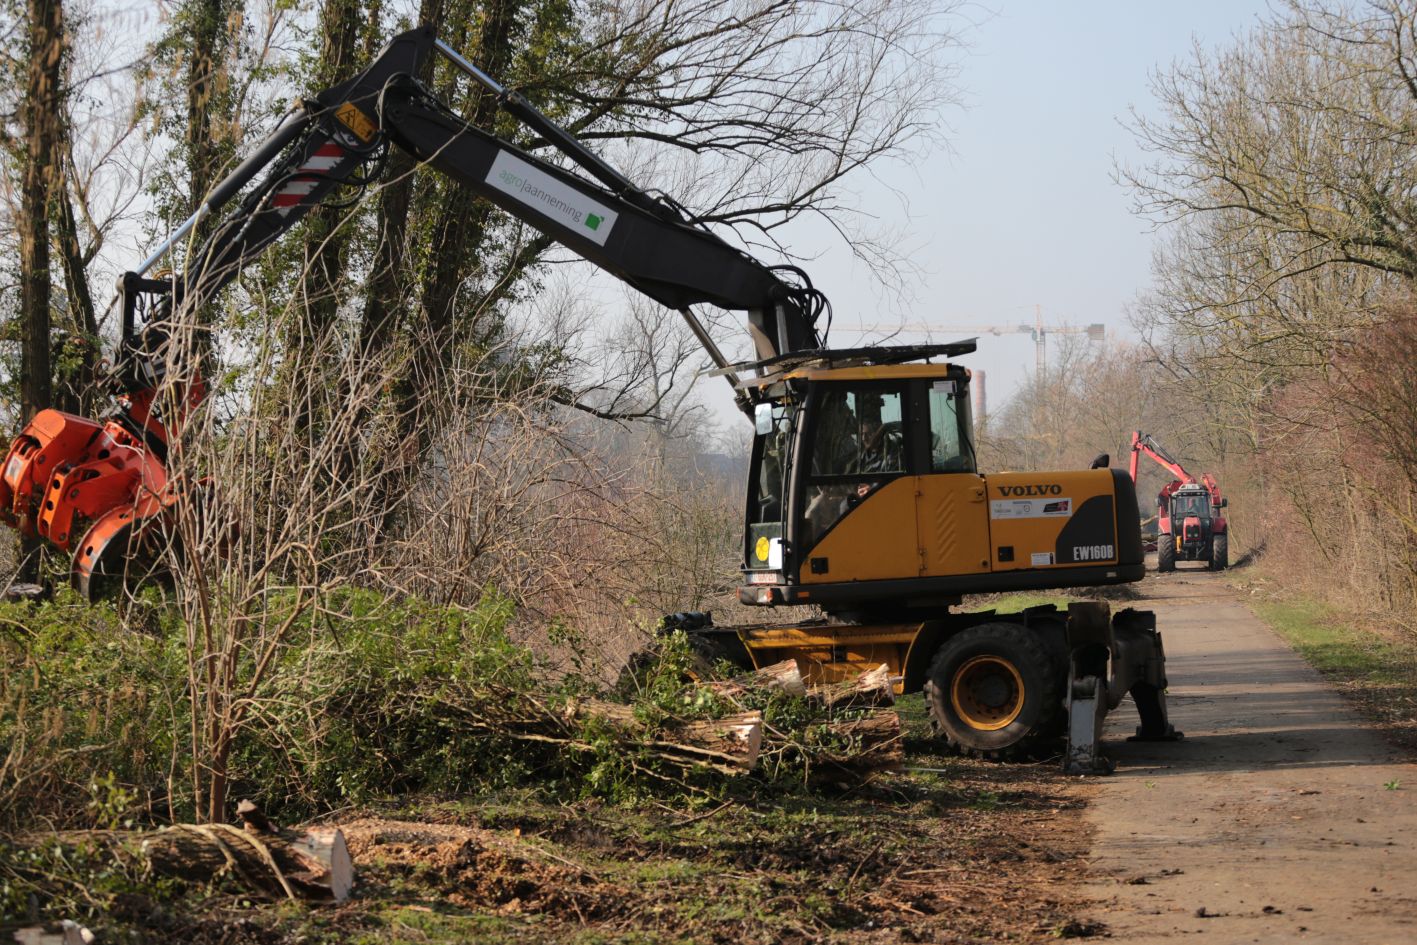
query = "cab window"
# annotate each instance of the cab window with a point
(949, 430)
(859, 444)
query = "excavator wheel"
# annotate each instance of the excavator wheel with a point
(996, 691)
(1220, 552)
(1165, 552)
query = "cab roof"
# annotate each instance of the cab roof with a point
(884, 361)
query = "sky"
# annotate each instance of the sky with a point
(1023, 210)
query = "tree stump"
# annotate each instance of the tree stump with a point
(312, 865)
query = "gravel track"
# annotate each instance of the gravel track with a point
(1282, 816)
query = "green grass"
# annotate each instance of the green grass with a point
(421, 923)
(1013, 603)
(1335, 647)
(1377, 671)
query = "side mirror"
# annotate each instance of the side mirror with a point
(1224, 503)
(762, 419)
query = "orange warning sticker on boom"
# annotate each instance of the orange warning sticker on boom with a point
(356, 121)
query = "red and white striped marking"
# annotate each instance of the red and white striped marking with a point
(296, 189)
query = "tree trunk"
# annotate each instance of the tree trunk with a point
(785, 676)
(78, 374)
(313, 864)
(208, 27)
(870, 689)
(41, 129)
(387, 293)
(39, 174)
(460, 226)
(864, 746)
(349, 44)
(729, 745)
(460, 221)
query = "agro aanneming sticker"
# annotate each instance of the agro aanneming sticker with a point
(552, 198)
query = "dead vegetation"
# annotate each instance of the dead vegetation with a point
(944, 851)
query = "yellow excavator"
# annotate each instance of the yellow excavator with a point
(864, 497)
(865, 500)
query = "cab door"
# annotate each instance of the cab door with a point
(891, 492)
(952, 518)
(856, 516)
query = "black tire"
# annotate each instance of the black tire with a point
(708, 654)
(1165, 552)
(1220, 552)
(996, 691)
(630, 681)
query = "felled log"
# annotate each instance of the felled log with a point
(857, 747)
(869, 690)
(25, 592)
(785, 676)
(729, 745)
(67, 932)
(312, 865)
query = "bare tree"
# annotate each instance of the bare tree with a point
(1300, 134)
(1283, 170)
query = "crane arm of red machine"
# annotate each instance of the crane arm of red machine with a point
(1145, 444)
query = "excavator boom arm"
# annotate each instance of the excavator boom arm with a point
(342, 136)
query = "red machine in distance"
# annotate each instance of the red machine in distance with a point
(1190, 525)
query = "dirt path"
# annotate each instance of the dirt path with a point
(1271, 822)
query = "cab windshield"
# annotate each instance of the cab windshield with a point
(1190, 506)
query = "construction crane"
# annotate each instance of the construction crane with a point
(1038, 331)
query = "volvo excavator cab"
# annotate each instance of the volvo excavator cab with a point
(865, 497)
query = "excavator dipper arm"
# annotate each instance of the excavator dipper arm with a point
(92, 487)
(341, 137)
